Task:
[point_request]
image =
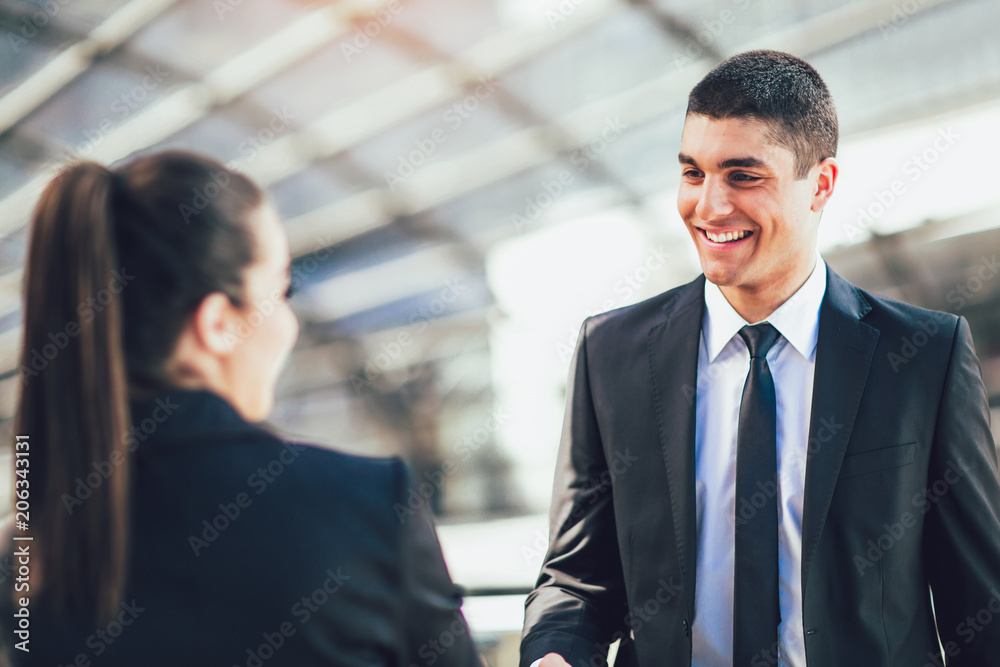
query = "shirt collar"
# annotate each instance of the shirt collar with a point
(797, 319)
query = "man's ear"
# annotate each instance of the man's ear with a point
(214, 323)
(825, 178)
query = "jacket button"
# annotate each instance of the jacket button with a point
(811, 631)
(687, 631)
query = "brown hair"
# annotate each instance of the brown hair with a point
(118, 260)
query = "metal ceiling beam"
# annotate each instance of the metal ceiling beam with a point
(530, 147)
(351, 124)
(190, 103)
(673, 25)
(524, 149)
(401, 101)
(74, 60)
(327, 137)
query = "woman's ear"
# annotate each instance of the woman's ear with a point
(215, 323)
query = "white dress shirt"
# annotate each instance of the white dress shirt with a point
(723, 365)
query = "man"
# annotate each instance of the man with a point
(802, 488)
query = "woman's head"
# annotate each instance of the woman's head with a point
(169, 270)
(202, 271)
(212, 271)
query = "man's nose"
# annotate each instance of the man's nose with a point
(713, 200)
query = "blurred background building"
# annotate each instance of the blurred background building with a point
(463, 181)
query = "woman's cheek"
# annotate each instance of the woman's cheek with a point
(291, 326)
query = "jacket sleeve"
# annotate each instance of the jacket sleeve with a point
(435, 630)
(578, 605)
(962, 538)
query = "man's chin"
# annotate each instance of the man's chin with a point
(721, 274)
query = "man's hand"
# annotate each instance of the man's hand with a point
(552, 660)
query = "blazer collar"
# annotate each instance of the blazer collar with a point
(844, 350)
(172, 416)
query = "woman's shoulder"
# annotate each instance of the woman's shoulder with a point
(328, 475)
(272, 498)
(198, 434)
(262, 460)
(387, 474)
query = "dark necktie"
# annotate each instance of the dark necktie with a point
(755, 588)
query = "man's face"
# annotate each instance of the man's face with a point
(735, 181)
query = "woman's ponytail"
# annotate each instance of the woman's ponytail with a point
(118, 262)
(73, 404)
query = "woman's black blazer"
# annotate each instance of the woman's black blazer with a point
(251, 551)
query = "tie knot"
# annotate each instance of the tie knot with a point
(759, 338)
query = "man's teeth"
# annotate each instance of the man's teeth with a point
(728, 236)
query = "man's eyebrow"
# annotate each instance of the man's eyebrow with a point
(745, 162)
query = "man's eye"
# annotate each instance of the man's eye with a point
(745, 178)
(692, 173)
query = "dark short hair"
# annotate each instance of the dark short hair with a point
(780, 90)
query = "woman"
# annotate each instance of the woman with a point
(167, 526)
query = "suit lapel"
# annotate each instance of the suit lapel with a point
(844, 349)
(673, 364)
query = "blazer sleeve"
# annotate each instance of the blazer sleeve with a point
(436, 632)
(962, 538)
(578, 607)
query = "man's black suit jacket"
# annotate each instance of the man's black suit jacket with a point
(251, 551)
(901, 491)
